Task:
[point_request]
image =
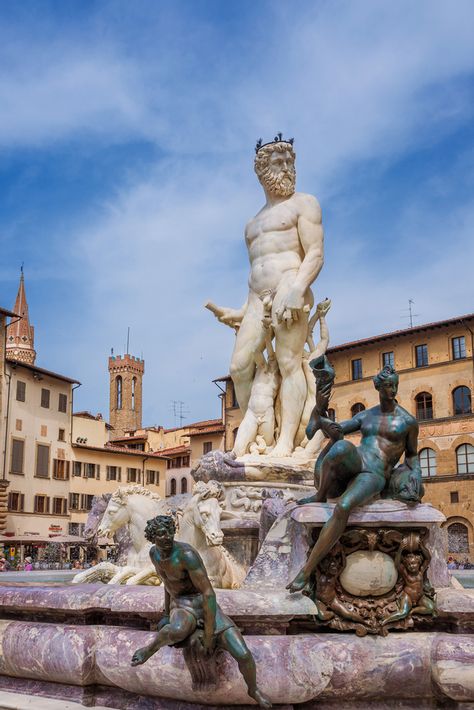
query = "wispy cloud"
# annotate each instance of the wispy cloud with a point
(363, 87)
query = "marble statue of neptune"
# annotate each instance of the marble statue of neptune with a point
(285, 247)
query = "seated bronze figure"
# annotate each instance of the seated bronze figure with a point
(357, 474)
(192, 615)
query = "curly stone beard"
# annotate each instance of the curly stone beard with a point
(281, 185)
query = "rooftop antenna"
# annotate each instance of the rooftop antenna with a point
(179, 411)
(128, 339)
(410, 314)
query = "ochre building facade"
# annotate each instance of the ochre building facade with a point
(436, 368)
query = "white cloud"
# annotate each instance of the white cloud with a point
(356, 83)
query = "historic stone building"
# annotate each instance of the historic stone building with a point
(4, 314)
(126, 375)
(231, 413)
(54, 462)
(20, 333)
(436, 368)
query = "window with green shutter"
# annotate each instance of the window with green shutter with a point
(18, 454)
(42, 461)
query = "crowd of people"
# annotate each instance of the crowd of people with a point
(28, 565)
(459, 564)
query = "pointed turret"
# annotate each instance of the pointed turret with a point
(20, 334)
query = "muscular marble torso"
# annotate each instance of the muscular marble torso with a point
(273, 242)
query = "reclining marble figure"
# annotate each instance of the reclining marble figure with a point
(192, 615)
(356, 474)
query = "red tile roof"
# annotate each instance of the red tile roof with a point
(213, 429)
(174, 451)
(400, 333)
(137, 437)
(42, 371)
(194, 425)
(108, 448)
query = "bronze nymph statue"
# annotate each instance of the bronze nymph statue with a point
(357, 474)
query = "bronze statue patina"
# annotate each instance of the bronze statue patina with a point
(356, 474)
(412, 561)
(192, 615)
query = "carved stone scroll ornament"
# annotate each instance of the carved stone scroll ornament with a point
(374, 580)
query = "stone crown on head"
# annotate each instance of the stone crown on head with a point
(278, 139)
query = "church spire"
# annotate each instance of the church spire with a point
(20, 334)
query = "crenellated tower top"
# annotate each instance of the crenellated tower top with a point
(126, 373)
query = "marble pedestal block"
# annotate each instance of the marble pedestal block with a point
(290, 539)
(76, 643)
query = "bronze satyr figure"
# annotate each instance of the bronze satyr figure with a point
(359, 473)
(192, 615)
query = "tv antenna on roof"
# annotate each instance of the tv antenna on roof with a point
(179, 411)
(410, 314)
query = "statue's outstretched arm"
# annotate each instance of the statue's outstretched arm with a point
(320, 314)
(229, 316)
(349, 426)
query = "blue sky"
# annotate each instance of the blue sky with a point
(126, 171)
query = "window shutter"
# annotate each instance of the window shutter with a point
(97, 471)
(42, 461)
(119, 473)
(45, 398)
(22, 501)
(17, 455)
(20, 391)
(47, 504)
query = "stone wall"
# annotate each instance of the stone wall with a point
(128, 417)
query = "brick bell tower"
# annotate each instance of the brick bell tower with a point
(126, 374)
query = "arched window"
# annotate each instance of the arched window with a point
(458, 538)
(184, 485)
(465, 458)
(427, 459)
(332, 414)
(118, 383)
(134, 385)
(462, 400)
(424, 406)
(356, 408)
(173, 487)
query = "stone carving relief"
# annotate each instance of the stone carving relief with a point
(374, 580)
